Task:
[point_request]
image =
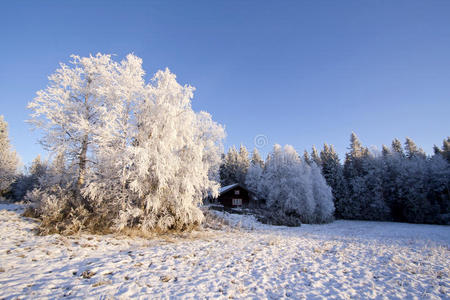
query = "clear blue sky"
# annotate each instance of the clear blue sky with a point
(299, 72)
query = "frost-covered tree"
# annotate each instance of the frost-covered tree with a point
(372, 203)
(9, 160)
(307, 157)
(294, 188)
(413, 190)
(353, 174)
(323, 197)
(71, 111)
(397, 147)
(439, 186)
(412, 150)
(235, 166)
(229, 167)
(445, 151)
(315, 156)
(254, 173)
(243, 164)
(385, 150)
(135, 155)
(171, 164)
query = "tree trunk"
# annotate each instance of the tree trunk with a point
(81, 201)
(82, 163)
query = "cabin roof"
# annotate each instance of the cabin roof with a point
(228, 187)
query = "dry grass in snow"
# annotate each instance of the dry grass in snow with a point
(345, 259)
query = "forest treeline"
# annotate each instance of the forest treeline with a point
(400, 183)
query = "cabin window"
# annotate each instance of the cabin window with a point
(237, 202)
(236, 192)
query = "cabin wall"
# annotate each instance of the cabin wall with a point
(226, 199)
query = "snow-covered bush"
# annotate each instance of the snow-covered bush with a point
(134, 155)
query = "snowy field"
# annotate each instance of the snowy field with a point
(345, 259)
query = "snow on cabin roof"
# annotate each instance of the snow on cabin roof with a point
(228, 187)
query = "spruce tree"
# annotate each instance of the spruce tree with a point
(332, 171)
(445, 151)
(234, 166)
(307, 158)
(397, 147)
(229, 168)
(385, 151)
(354, 173)
(315, 156)
(243, 164)
(412, 150)
(254, 173)
(256, 158)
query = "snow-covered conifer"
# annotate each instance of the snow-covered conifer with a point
(254, 173)
(315, 156)
(306, 157)
(397, 147)
(332, 171)
(445, 151)
(243, 164)
(412, 150)
(229, 167)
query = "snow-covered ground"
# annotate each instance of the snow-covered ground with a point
(345, 259)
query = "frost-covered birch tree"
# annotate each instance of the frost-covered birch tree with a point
(292, 186)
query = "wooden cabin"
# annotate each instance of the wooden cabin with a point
(234, 195)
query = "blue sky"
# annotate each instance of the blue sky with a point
(298, 72)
